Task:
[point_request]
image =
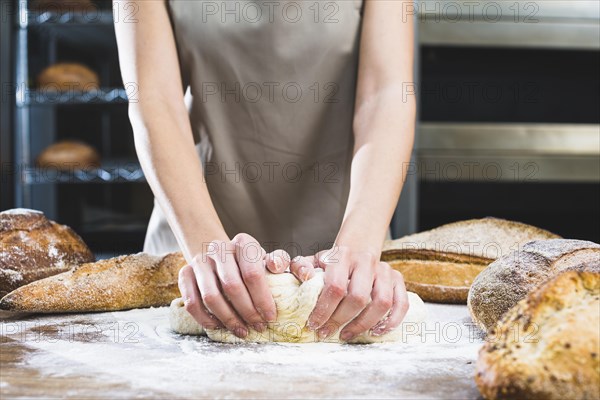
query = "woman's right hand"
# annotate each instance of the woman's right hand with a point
(226, 286)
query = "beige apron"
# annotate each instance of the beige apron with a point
(273, 86)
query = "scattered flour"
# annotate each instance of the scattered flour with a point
(138, 349)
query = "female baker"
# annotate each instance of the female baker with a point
(303, 127)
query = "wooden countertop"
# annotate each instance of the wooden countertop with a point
(133, 354)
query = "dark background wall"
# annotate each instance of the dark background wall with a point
(6, 105)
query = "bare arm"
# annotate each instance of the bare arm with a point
(359, 288)
(217, 282)
(383, 124)
(161, 126)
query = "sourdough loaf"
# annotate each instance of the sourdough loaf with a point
(507, 280)
(440, 265)
(33, 247)
(120, 283)
(548, 345)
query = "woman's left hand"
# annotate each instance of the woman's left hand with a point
(360, 291)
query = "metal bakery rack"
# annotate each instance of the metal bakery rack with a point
(107, 206)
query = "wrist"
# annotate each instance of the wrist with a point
(361, 239)
(198, 243)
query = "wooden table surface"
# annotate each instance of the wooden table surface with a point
(133, 354)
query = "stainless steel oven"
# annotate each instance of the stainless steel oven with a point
(510, 113)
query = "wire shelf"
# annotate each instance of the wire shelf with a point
(86, 30)
(50, 97)
(81, 18)
(110, 172)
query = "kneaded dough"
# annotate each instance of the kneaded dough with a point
(295, 301)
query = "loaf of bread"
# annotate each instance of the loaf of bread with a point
(121, 283)
(62, 5)
(438, 281)
(507, 280)
(68, 155)
(67, 77)
(33, 247)
(548, 345)
(440, 264)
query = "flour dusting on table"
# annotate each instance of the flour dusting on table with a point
(137, 351)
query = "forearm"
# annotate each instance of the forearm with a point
(384, 135)
(172, 167)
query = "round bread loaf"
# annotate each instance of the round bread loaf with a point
(69, 155)
(33, 247)
(548, 345)
(62, 5)
(68, 76)
(508, 279)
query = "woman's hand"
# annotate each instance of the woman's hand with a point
(359, 288)
(359, 291)
(226, 285)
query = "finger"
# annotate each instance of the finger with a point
(334, 290)
(399, 307)
(233, 287)
(249, 256)
(382, 299)
(278, 261)
(358, 297)
(303, 268)
(210, 293)
(192, 300)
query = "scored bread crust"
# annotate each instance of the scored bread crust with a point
(548, 345)
(507, 280)
(32, 247)
(472, 241)
(458, 250)
(120, 283)
(438, 282)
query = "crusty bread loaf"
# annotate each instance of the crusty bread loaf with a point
(548, 345)
(121, 283)
(440, 265)
(33, 247)
(67, 77)
(507, 280)
(69, 155)
(478, 241)
(439, 281)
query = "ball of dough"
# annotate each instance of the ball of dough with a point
(295, 301)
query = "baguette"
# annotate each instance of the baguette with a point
(548, 345)
(440, 265)
(121, 283)
(507, 280)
